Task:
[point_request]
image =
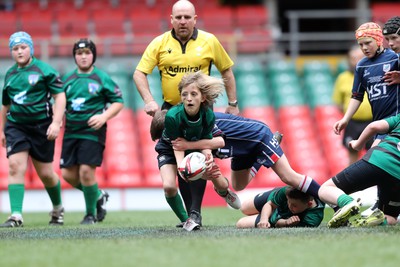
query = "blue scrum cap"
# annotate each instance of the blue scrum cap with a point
(21, 38)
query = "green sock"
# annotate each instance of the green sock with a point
(55, 195)
(90, 194)
(176, 205)
(79, 187)
(343, 200)
(16, 194)
(384, 222)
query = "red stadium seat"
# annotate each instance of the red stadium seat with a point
(217, 20)
(302, 144)
(288, 113)
(38, 24)
(251, 16)
(264, 114)
(266, 178)
(336, 154)
(381, 12)
(254, 41)
(109, 22)
(149, 21)
(3, 170)
(122, 156)
(8, 23)
(151, 173)
(73, 23)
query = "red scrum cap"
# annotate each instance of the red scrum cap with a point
(372, 30)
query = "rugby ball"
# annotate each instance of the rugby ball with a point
(193, 166)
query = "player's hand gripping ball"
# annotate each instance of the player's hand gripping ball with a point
(193, 166)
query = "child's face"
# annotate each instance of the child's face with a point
(84, 58)
(296, 206)
(191, 98)
(393, 41)
(368, 46)
(21, 54)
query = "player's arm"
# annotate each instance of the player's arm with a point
(266, 212)
(352, 108)
(381, 126)
(392, 77)
(142, 85)
(179, 155)
(98, 120)
(3, 121)
(182, 144)
(230, 85)
(289, 222)
(60, 102)
(209, 158)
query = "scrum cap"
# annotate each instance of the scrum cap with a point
(20, 38)
(392, 26)
(85, 43)
(371, 30)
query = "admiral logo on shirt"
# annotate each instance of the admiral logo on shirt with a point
(173, 70)
(33, 79)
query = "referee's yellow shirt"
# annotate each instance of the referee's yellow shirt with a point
(342, 95)
(174, 59)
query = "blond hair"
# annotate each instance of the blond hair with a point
(210, 87)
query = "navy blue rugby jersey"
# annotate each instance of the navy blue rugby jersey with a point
(368, 77)
(242, 135)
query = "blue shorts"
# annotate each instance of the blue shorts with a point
(266, 153)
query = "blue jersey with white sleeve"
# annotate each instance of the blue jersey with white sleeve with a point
(368, 77)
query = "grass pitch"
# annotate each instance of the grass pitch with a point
(149, 238)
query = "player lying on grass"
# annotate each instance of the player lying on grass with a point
(191, 120)
(247, 142)
(380, 166)
(282, 207)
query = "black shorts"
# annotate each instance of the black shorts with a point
(353, 132)
(262, 198)
(362, 175)
(165, 153)
(31, 138)
(81, 151)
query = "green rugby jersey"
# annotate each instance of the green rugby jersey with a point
(88, 94)
(311, 217)
(387, 154)
(28, 91)
(177, 124)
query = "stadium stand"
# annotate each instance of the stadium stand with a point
(122, 153)
(9, 23)
(334, 152)
(381, 12)
(109, 23)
